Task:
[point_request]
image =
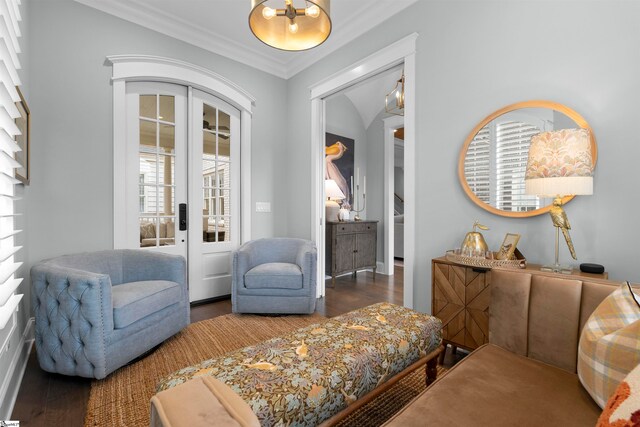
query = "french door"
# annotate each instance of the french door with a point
(183, 179)
(214, 186)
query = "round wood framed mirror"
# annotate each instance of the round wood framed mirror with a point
(493, 159)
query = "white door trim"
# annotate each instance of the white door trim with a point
(129, 68)
(390, 125)
(402, 51)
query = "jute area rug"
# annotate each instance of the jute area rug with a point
(122, 399)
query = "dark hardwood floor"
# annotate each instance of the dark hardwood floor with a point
(56, 400)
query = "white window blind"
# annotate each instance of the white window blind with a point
(512, 148)
(477, 165)
(9, 80)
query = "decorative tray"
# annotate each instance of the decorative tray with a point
(519, 262)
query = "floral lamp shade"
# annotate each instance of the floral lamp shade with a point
(560, 163)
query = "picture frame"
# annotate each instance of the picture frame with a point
(340, 164)
(508, 246)
(24, 124)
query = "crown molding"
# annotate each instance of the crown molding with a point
(363, 21)
(360, 21)
(172, 26)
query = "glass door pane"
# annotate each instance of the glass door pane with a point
(156, 153)
(216, 175)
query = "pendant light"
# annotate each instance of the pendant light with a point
(290, 28)
(394, 101)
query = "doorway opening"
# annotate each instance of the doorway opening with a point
(402, 55)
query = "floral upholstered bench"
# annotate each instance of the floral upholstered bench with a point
(312, 374)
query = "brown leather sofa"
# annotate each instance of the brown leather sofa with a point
(526, 375)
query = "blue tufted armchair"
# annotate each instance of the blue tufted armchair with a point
(274, 275)
(95, 312)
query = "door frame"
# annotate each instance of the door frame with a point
(400, 52)
(390, 126)
(130, 68)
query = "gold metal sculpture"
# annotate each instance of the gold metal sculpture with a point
(561, 222)
(474, 243)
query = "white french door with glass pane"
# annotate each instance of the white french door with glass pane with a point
(157, 162)
(213, 194)
(182, 178)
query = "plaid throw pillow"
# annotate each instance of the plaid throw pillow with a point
(610, 343)
(623, 408)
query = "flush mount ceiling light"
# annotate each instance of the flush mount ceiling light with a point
(394, 101)
(290, 28)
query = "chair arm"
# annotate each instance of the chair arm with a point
(73, 312)
(241, 264)
(140, 265)
(307, 261)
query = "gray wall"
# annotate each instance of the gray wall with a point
(375, 177)
(70, 197)
(582, 55)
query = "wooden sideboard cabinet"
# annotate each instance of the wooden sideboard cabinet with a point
(351, 246)
(460, 298)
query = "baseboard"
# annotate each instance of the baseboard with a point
(11, 386)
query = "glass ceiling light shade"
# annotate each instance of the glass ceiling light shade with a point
(394, 101)
(290, 28)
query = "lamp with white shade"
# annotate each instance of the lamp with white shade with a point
(332, 192)
(560, 164)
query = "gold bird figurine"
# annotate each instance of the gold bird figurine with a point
(560, 220)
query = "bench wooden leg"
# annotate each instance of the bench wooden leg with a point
(444, 352)
(432, 370)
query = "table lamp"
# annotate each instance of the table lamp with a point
(560, 164)
(332, 192)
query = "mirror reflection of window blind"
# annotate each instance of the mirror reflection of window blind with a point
(512, 148)
(9, 64)
(477, 165)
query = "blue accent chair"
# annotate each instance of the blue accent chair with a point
(274, 276)
(96, 312)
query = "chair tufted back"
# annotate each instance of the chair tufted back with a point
(69, 307)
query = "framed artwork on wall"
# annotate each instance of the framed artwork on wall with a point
(339, 163)
(24, 124)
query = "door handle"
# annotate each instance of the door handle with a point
(182, 216)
